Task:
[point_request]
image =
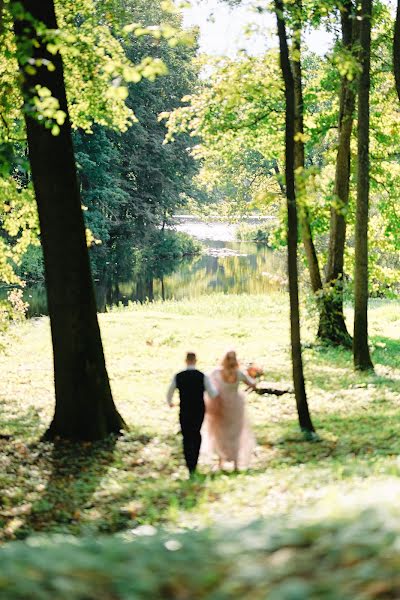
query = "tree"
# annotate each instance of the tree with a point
(156, 175)
(299, 153)
(332, 326)
(237, 115)
(362, 359)
(297, 363)
(131, 182)
(96, 72)
(94, 65)
(84, 405)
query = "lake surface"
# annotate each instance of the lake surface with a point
(226, 266)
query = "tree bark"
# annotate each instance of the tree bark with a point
(362, 359)
(84, 407)
(299, 159)
(1, 17)
(396, 49)
(297, 363)
(332, 325)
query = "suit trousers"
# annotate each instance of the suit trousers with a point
(191, 423)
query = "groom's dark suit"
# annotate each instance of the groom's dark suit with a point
(191, 384)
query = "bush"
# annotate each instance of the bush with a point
(32, 265)
(12, 309)
(173, 244)
(260, 234)
(162, 252)
(347, 556)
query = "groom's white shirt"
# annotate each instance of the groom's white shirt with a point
(209, 387)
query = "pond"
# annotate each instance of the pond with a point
(226, 266)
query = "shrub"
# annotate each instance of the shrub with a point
(12, 309)
(260, 234)
(173, 244)
(163, 251)
(32, 265)
(347, 556)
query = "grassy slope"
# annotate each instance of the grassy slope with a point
(141, 479)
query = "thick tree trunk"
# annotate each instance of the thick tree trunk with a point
(332, 326)
(362, 359)
(297, 363)
(84, 406)
(299, 162)
(1, 17)
(396, 49)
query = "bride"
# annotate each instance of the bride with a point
(226, 430)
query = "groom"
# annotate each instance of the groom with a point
(191, 384)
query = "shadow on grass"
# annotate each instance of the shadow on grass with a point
(160, 485)
(101, 487)
(47, 487)
(366, 436)
(25, 425)
(75, 472)
(330, 367)
(386, 351)
(141, 479)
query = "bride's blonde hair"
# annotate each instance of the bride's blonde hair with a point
(230, 361)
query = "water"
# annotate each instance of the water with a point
(221, 231)
(226, 266)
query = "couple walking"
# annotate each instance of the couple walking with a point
(212, 412)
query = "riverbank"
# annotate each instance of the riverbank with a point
(123, 273)
(141, 480)
(179, 265)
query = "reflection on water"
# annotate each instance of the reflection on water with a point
(253, 270)
(225, 266)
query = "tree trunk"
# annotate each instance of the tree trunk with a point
(396, 49)
(362, 359)
(297, 363)
(299, 159)
(332, 326)
(84, 406)
(1, 17)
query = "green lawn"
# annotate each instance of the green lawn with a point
(140, 478)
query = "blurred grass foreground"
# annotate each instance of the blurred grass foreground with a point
(340, 553)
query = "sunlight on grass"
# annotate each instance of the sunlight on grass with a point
(140, 479)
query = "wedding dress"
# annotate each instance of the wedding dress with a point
(226, 429)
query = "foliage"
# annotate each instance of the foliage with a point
(12, 309)
(171, 244)
(237, 115)
(162, 251)
(18, 230)
(18, 225)
(96, 66)
(176, 244)
(155, 177)
(31, 267)
(231, 116)
(131, 183)
(128, 181)
(254, 233)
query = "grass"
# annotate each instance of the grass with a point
(140, 478)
